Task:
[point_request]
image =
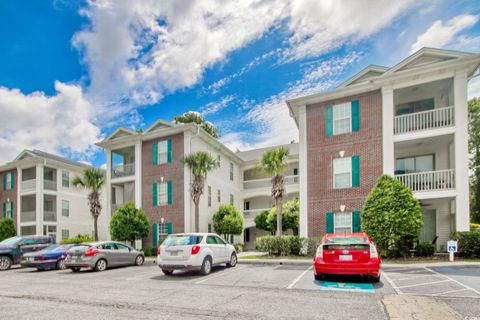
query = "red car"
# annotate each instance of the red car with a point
(349, 253)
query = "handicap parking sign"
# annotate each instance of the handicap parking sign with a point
(452, 246)
(345, 286)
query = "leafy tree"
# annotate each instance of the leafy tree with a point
(392, 217)
(129, 224)
(274, 162)
(199, 163)
(93, 180)
(197, 118)
(228, 221)
(291, 215)
(7, 229)
(261, 222)
(474, 150)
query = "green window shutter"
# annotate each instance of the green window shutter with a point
(295, 171)
(4, 181)
(356, 221)
(355, 116)
(329, 121)
(169, 191)
(155, 194)
(330, 222)
(169, 149)
(155, 153)
(155, 235)
(355, 171)
(169, 228)
(4, 209)
(11, 209)
(12, 176)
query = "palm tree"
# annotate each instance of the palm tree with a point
(199, 163)
(92, 179)
(273, 163)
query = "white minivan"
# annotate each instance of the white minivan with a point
(194, 251)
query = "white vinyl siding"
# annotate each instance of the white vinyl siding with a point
(342, 173)
(342, 118)
(343, 222)
(162, 193)
(163, 152)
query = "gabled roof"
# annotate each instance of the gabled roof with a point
(370, 71)
(120, 132)
(159, 124)
(49, 156)
(426, 56)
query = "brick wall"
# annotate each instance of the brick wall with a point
(321, 150)
(9, 194)
(173, 171)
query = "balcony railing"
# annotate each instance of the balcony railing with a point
(28, 185)
(50, 216)
(252, 213)
(267, 182)
(123, 170)
(50, 185)
(27, 216)
(429, 181)
(425, 120)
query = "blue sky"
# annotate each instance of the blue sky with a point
(72, 71)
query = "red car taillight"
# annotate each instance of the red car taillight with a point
(158, 251)
(373, 251)
(195, 249)
(91, 252)
(319, 253)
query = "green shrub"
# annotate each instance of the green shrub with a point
(425, 250)
(78, 239)
(239, 247)
(468, 244)
(283, 245)
(129, 224)
(312, 245)
(228, 221)
(7, 228)
(149, 251)
(474, 226)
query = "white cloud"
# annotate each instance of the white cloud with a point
(62, 123)
(441, 34)
(474, 87)
(214, 107)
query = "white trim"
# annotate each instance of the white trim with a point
(388, 150)
(303, 170)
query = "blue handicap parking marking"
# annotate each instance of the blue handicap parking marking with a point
(346, 286)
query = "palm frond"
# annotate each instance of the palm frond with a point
(274, 161)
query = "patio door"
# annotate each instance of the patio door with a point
(429, 229)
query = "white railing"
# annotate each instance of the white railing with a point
(27, 216)
(50, 216)
(267, 182)
(425, 120)
(123, 170)
(429, 181)
(50, 185)
(252, 213)
(29, 185)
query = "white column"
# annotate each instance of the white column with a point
(187, 203)
(18, 204)
(387, 131)
(39, 198)
(108, 209)
(303, 167)
(138, 174)
(462, 204)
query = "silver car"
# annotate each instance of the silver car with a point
(102, 255)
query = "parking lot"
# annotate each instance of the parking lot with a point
(246, 291)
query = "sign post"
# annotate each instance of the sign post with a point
(452, 247)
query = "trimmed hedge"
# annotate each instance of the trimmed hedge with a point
(468, 243)
(149, 251)
(425, 250)
(78, 239)
(287, 245)
(474, 226)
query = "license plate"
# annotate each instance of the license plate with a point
(174, 253)
(345, 257)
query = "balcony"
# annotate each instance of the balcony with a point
(267, 182)
(28, 185)
(425, 120)
(439, 180)
(249, 216)
(123, 170)
(49, 216)
(50, 185)
(27, 216)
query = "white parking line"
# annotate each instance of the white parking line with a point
(457, 282)
(220, 274)
(294, 282)
(416, 277)
(448, 292)
(394, 286)
(424, 284)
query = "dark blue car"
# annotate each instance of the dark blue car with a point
(12, 249)
(53, 257)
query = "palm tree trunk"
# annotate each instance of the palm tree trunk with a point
(95, 227)
(197, 218)
(278, 205)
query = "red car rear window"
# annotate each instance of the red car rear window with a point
(346, 240)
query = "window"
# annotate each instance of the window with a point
(209, 228)
(246, 205)
(28, 230)
(218, 160)
(211, 240)
(231, 171)
(8, 209)
(49, 230)
(162, 193)
(414, 106)
(231, 199)
(163, 152)
(65, 234)
(122, 247)
(246, 235)
(342, 173)
(343, 222)
(209, 196)
(219, 196)
(65, 179)
(415, 164)
(65, 208)
(219, 240)
(8, 176)
(342, 118)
